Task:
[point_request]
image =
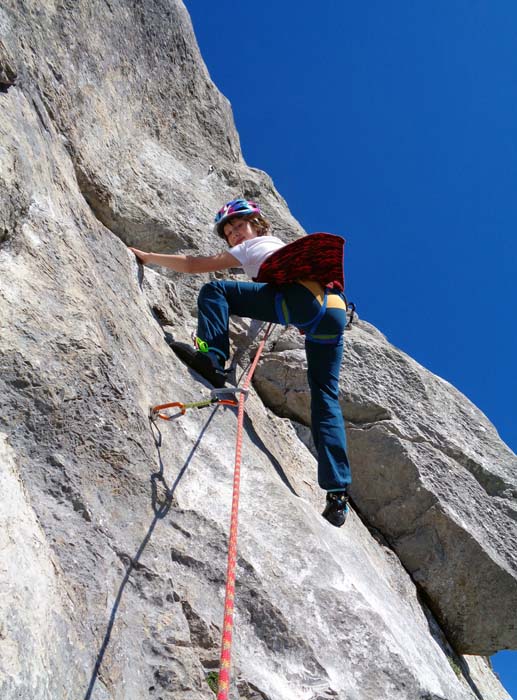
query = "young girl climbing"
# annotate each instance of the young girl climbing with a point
(294, 285)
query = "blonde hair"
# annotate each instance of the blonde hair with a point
(261, 225)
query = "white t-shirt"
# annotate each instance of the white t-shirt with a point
(252, 253)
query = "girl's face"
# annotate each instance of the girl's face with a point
(237, 230)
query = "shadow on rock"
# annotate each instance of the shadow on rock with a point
(258, 442)
(458, 664)
(162, 497)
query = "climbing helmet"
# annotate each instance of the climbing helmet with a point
(237, 207)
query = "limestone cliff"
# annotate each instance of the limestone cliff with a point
(113, 532)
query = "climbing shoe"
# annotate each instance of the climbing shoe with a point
(201, 362)
(336, 508)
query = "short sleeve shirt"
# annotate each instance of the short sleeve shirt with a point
(252, 253)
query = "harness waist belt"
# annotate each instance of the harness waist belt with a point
(334, 301)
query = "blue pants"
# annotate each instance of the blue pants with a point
(220, 299)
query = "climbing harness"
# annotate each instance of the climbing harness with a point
(217, 399)
(308, 329)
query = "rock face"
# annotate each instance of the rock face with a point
(113, 530)
(430, 472)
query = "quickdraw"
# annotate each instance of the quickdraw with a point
(214, 400)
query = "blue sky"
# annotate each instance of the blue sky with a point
(395, 125)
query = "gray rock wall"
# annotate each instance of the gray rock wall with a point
(430, 472)
(114, 536)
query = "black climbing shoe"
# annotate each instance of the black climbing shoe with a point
(336, 508)
(201, 362)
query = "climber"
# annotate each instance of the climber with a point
(319, 312)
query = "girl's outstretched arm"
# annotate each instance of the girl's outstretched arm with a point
(188, 263)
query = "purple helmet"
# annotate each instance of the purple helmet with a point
(237, 207)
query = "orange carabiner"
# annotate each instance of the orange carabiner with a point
(155, 410)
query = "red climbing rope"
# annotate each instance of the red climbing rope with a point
(226, 647)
